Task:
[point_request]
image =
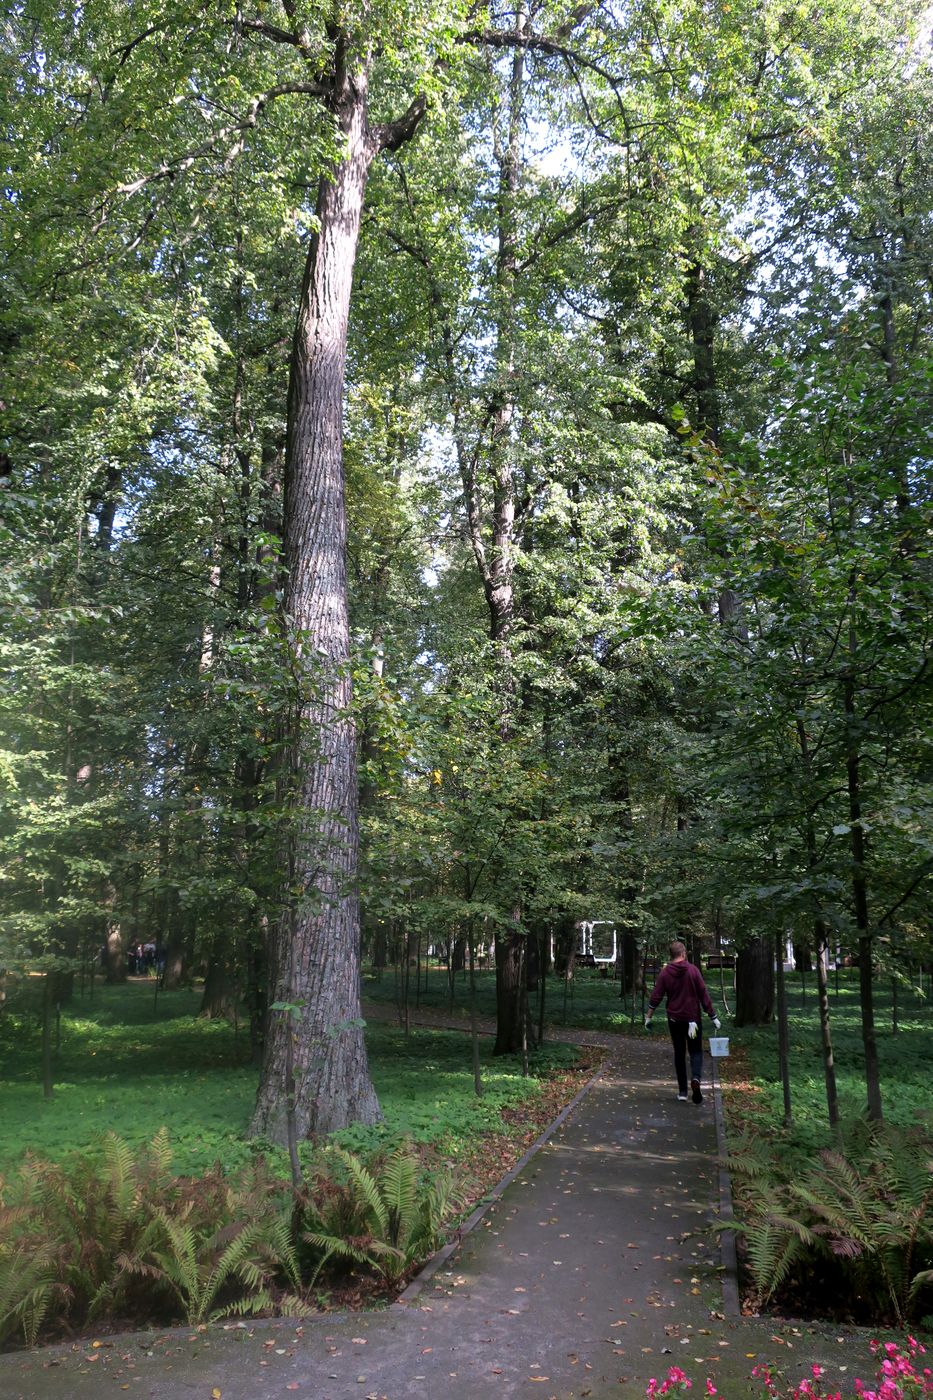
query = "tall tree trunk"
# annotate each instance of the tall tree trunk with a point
(256, 990)
(826, 1041)
(315, 950)
(221, 993)
(115, 955)
(820, 943)
(702, 322)
(509, 1000)
(176, 959)
(48, 987)
(754, 983)
(783, 1037)
(474, 1018)
(497, 564)
(860, 890)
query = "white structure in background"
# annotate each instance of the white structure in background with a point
(830, 963)
(588, 942)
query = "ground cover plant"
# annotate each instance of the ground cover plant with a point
(111, 1234)
(104, 1217)
(133, 1064)
(838, 1222)
(592, 1001)
(903, 1054)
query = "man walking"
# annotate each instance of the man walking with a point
(687, 998)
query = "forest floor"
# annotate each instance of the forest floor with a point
(753, 1086)
(595, 1270)
(132, 1062)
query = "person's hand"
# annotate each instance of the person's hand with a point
(647, 1023)
(717, 1024)
(692, 1030)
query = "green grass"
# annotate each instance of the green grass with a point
(130, 1066)
(592, 1002)
(904, 1059)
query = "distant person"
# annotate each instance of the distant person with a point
(687, 999)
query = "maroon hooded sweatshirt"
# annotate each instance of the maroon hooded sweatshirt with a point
(683, 985)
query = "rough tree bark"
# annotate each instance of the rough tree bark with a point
(221, 993)
(860, 887)
(314, 957)
(754, 983)
(820, 943)
(510, 973)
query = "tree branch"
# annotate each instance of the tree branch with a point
(170, 169)
(389, 136)
(552, 48)
(918, 879)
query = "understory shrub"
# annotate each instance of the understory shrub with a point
(113, 1233)
(856, 1226)
(385, 1217)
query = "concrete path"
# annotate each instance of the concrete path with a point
(594, 1271)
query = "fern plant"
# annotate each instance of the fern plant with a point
(241, 1259)
(115, 1229)
(29, 1286)
(869, 1208)
(876, 1213)
(382, 1218)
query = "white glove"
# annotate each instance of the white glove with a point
(717, 1024)
(647, 1023)
(692, 1030)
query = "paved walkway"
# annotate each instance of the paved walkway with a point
(594, 1271)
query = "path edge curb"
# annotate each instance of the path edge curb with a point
(730, 1264)
(438, 1259)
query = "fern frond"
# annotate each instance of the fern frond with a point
(367, 1191)
(771, 1254)
(334, 1246)
(243, 1307)
(234, 1259)
(161, 1150)
(792, 1226)
(282, 1247)
(399, 1189)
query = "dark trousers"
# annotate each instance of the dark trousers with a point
(682, 1044)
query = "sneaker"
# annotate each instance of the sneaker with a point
(682, 1097)
(697, 1092)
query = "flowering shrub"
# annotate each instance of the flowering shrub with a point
(676, 1383)
(900, 1375)
(897, 1375)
